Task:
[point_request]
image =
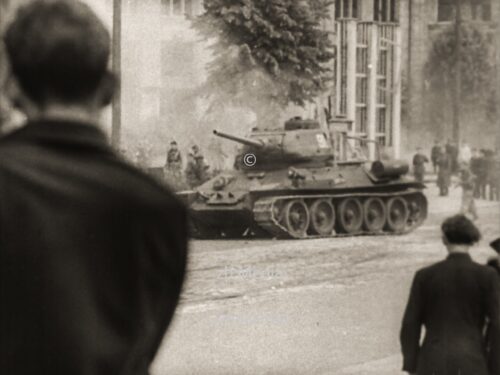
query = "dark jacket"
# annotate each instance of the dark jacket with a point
(495, 264)
(452, 300)
(92, 255)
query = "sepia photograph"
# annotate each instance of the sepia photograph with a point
(250, 187)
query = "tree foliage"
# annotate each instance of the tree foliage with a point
(266, 53)
(477, 65)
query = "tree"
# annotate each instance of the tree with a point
(266, 53)
(477, 68)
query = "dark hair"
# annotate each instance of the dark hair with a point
(58, 49)
(459, 230)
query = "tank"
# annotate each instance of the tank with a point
(302, 181)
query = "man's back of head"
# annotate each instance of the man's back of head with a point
(58, 51)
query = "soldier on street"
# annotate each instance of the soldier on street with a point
(196, 168)
(174, 160)
(444, 172)
(436, 152)
(419, 161)
(93, 251)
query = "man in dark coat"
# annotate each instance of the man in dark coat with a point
(444, 173)
(92, 251)
(435, 155)
(453, 300)
(419, 161)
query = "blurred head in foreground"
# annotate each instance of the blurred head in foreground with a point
(58, 52)
(459, 232)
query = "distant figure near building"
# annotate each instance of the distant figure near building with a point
(174, 160)
(436, 155)
(444, 172)
(468, 184)
(452, 151)
(93, 251)
(464, 154)
(453, 300)
(419, 161)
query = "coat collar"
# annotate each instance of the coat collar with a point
(63, 133)
(459, 256)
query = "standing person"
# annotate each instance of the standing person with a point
(435, 155)
(419, 161)
(474, 168)
(174, 160)
(196, 168)
(465, 154)
(444, 173)
(453, 299)
(481, 174)
(452, 151)
(93, 251)
(468, 184)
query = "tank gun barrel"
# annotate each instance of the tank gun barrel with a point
(245, 141)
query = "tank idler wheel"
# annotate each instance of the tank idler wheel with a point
(417, 206)
(322, 217)
(397, 214)
(375, 215)
(296, 218)
(350, 215)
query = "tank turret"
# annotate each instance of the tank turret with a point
(298, 142)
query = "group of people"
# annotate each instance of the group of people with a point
(457, 302)
(196, 171)
(477, 172)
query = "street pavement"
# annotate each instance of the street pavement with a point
(325, 306)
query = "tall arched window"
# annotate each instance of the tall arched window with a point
(476, 10)
(346, 9)
(384, 10)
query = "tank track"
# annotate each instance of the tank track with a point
(264, 213)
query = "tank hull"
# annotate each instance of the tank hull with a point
(263, 208)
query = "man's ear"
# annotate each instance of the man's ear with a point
(107, 89)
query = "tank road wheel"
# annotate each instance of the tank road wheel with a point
(322, 217)
(397, 214)
(350, 215)
(375, 214)
(417, 206)
(296, 218)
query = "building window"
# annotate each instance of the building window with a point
(480, 10)
(476, 10)
(384, 10)
(346, 9)
(177, 8)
